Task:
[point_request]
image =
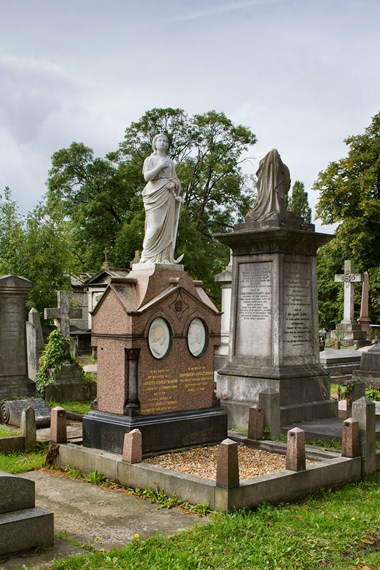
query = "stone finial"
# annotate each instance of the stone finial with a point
(227, 469)
(28, 428)
(256, 422)
(295, 451)
(350, 438)
(58, 428)
(132, 448)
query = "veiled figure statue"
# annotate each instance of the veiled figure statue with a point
(273, 184)
(162, 200)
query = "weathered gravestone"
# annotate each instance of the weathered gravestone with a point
(221, 352)
(11, 411)
(274, 338)
(369, 369)
(68, 383)
(35, 342)
(349, 328)
(14, 381)
(22, 524)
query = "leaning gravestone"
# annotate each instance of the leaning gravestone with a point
(14, 381)
(22, 525)
(155, 332)
(274, 344)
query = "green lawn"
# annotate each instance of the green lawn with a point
(334, 529)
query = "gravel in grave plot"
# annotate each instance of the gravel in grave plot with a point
(201, 461)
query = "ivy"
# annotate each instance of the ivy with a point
(56, 354)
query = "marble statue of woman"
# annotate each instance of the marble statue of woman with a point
(273, 183)
(161, 197)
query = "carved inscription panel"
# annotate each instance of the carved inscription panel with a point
(254, 310)
(298, 317)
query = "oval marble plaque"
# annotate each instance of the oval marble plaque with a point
(197, 337)
(159, 338)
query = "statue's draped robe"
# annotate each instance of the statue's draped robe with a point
(273, 183)
(161, 213)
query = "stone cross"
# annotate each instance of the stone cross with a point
(63, 313)
(348, 278)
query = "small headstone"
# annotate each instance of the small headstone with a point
(58, 427)
(28, 428)
(35, 320)
(132, 449)
(256, 423)
(227, 469)
(22, 525)
(295, 451)
(11, 410)
(350, 438)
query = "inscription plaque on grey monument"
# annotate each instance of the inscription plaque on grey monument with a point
(253, 327)
(298, 328)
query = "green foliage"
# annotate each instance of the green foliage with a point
(55, 355)
(95, 478)
(37, 247)
(350, 195)
(21, 462)
(102, 196)
(332, 529)
(299, 203)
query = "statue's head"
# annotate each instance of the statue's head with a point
(155, 139)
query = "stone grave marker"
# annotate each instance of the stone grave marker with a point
(349, 327)
(155, 333)
(274, 333)
(22, 525)
(14, 380)
(369, 369)
(11, 411)
(62, 313)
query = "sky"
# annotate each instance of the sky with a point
(303, 75)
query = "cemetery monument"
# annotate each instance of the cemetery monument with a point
(351, 330)
(14, 380)
(274, 344)
(155, 331)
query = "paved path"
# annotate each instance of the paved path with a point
(91, 515)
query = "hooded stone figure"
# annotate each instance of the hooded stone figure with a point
(161, 197)
(273, 184)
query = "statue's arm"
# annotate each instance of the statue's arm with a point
(148, 172)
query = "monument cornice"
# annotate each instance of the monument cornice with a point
(274, 240)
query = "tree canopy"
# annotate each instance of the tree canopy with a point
(299, 202)
(350, 195)
(102, 196)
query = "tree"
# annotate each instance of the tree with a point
(350, 195)
(36, 247)
(102, 197)
(299, 203)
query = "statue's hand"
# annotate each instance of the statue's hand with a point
(170, 185)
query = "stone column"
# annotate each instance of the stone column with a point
(364, 412)
(225, 280)
(14, 381)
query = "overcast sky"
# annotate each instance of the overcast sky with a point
(302, 74)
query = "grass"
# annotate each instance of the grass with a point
(8, 432)
(78, 407)
(21, 462)
(337, 530)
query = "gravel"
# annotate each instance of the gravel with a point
(201, 461)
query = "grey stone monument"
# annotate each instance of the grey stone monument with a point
(221, 352)
(14, 381)
(274, 343)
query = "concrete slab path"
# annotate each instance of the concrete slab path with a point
(88, 515)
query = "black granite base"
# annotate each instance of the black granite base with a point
(106, 431)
